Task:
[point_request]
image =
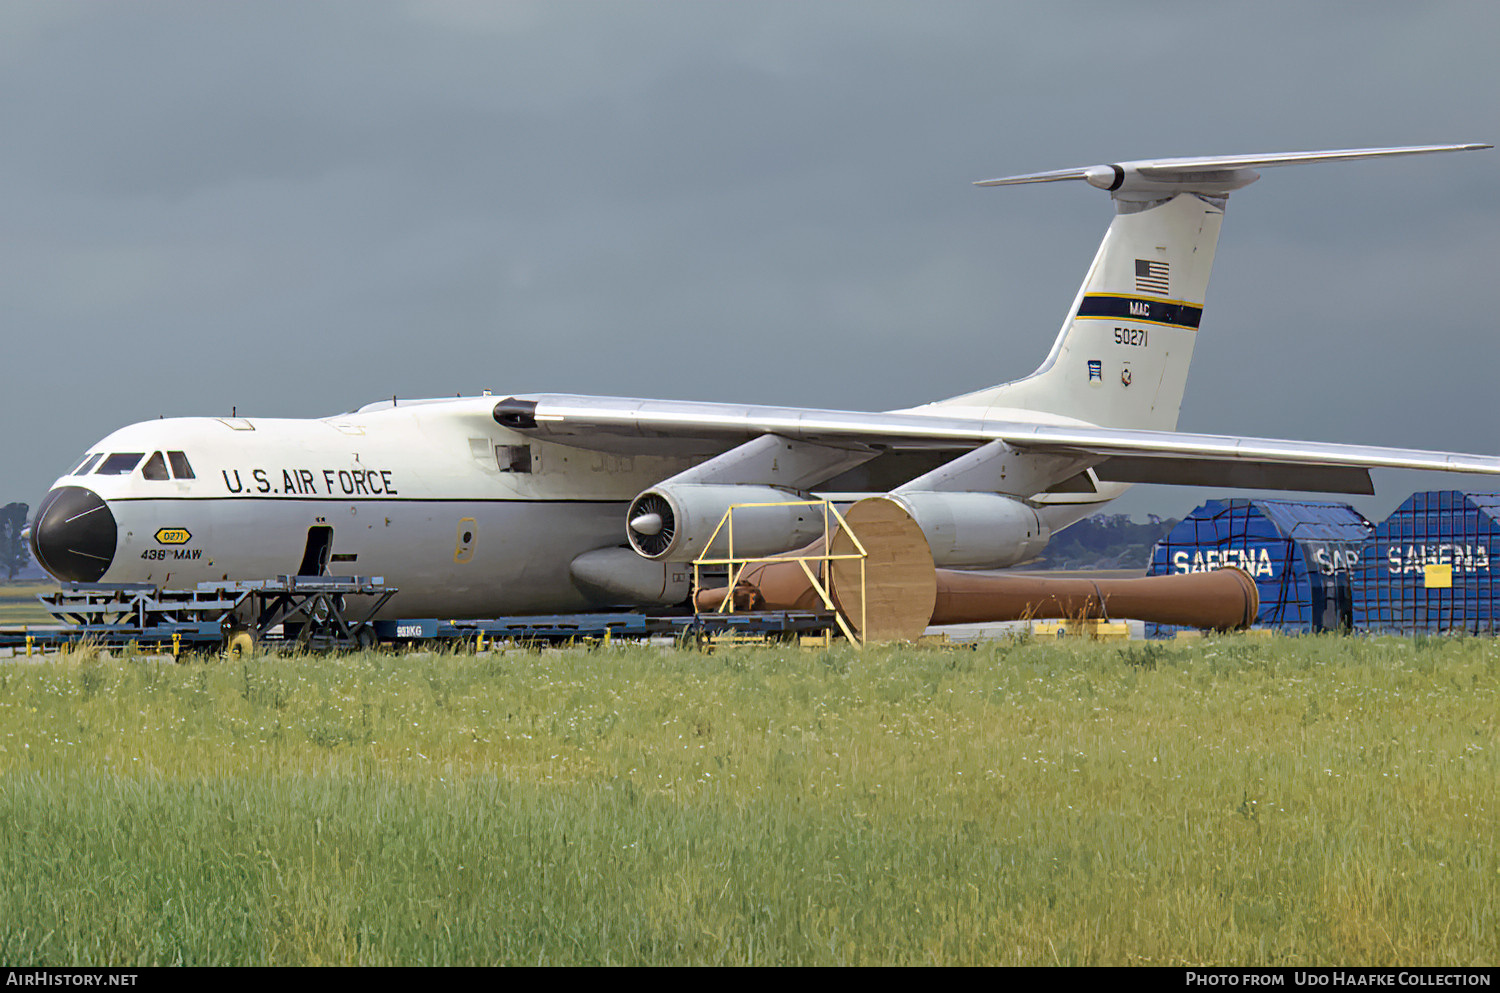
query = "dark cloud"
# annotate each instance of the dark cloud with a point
(296, 208)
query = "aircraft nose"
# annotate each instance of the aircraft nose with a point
(74, 535)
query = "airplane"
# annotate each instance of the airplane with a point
(545, 503)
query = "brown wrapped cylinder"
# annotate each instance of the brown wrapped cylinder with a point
(1223, 600)
(904, 593)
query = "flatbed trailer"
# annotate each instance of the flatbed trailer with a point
(314, 613)
(562, 628)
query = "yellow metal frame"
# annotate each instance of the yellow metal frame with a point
(738, 564)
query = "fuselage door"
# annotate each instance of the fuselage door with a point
(319, 548)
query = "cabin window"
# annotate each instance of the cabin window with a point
(87, 464)
(120, 463)
(180, 467)
(155, 467)
(513, 458)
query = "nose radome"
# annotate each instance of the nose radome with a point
(74, 535)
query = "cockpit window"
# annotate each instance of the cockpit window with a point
(180, 467)
(155, 467)
(87, 464)
(120, 463)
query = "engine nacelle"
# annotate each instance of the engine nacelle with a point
(620, 576)
(673, 522)
(976, 530)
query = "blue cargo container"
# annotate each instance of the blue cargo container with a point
(1427, 568)
(1300, 553)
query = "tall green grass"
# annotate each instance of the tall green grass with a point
(1243, 801)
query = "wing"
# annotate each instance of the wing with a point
(624, 425)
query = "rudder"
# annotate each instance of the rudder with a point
(1122, 356)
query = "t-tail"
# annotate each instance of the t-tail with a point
(1121, 359)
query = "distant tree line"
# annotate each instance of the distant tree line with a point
(1105, 541)
(13, 551)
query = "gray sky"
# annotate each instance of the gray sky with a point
(294, 209)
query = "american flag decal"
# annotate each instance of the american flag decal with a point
(1150, 277)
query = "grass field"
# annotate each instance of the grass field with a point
(1241, 801)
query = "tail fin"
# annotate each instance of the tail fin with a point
(1121, 359)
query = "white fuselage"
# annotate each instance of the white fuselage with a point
(465, 517)
(415, 494)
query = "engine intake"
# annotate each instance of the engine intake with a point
(674, 522)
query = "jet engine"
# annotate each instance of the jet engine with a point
(619, 576)
(674, 522)
(975, 530)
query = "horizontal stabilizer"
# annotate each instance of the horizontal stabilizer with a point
(1212, 175)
